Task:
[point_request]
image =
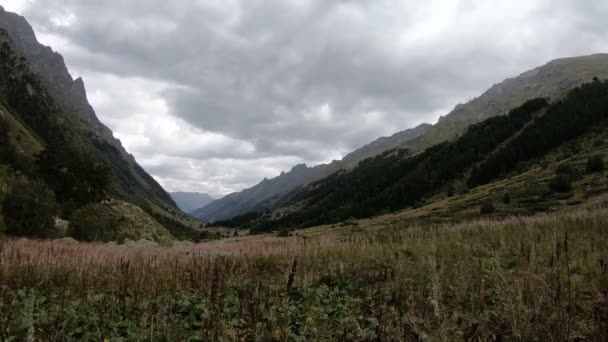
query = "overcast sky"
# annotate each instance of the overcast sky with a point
(215, 95)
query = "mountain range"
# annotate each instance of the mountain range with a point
(265, 194)
(549, 81)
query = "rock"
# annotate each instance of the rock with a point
(111, 243)
(62, 226)
(67, 241)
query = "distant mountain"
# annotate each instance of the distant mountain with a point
(189, 201)
(265, 194)
(46, 108)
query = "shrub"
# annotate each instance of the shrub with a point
(283, 233)
(561, 183)
(487, 208)
(566, 169)
(89, 223)
(29, 208)
(595, 164)
(506, 199)
(450, 191)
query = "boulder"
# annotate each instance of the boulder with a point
(67, 241)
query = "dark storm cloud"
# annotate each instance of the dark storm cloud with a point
(298, 80)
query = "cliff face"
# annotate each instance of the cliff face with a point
(131, 182)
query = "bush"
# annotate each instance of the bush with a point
(487, 208)
(283, 233)
(450, 191)
(89, 223)
(29, 208)
(506, 199)
(566, 169)
(595, 164)
(561, 183)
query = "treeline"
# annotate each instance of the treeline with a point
(566, 119)
(395, 179)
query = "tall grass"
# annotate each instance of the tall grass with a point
(536, 278)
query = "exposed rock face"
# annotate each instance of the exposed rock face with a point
(550, 80)
(266, 193)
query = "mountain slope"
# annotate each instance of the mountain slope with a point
(487, 152)
(189, 201)
(265, 194)
(549, 81)
(132, 181)
(38, 93)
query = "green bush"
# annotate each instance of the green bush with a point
(29, 208)
(283, 233)
(506, 199)
(595, 164)
(487, 208)
(561, 183)
(89, 223)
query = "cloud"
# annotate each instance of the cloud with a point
(218, 88)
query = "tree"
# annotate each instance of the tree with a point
(92, 223)
(450, 191)
(561, 183)
(487, 208)
(7, 150)
(74, 175)
(29, 209)
(595, 164)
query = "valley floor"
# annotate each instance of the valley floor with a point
(542, 277)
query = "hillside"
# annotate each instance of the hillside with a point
(548, 81)
(551, 80)
(189, 201)
(47, 119)
(488, 151)
(265, 194)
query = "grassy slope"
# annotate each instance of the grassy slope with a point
(528, 190)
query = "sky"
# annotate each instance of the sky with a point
(214, 95)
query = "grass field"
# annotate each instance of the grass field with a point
(542, 277)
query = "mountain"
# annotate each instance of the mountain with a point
(550, 151)
(460, 148)
(48, 110)
(189, 201)
(265, 194)
(550, 80)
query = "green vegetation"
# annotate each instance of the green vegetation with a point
(395, 179)
(519, 279)
(496, 149)
(115, 221)
(566, 119)
(46, 136)
(595, 164)
(28, 209)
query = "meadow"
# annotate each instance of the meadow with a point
(542, 277)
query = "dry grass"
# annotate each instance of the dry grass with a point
(542, 277)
